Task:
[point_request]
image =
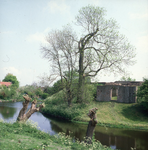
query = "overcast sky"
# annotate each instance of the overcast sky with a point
(24, 24)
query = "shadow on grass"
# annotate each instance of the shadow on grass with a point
(135, 113)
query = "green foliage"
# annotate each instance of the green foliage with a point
(11, 91)
(30, 90)
(90, 92)
(33, 91)
(142, 94)
(56, 106)
(57, 103)
(54, 89)
(58, 86)
(11, 78)
(7, 92)
(38, 92)
(26, 136)
(127, 79)
(45, 95)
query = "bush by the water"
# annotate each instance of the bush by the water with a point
(57, 105)
(58, 102)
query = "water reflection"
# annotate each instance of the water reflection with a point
(115, 138)
(6, 112)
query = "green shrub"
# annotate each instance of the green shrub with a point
(142, 94)
(56, 105)
(54, 89)
(45, 95)
(38, 92)
(90, 93)
(7, 92)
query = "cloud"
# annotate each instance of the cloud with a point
(142, 43)
(139, 16)
(59, 6)
(39, 36)
(12, 70)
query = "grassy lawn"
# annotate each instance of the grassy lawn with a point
(112, 114)
(114, 98)
(13, 141)
(119, 115)
(20, 136)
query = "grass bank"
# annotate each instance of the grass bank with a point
(111, 114)
(20, 136)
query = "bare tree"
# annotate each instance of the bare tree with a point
(63, 58)
(100, 47)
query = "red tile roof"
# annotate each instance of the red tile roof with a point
(5, 83)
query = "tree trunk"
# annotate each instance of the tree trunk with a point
(90, 131)
(80, 97)
(91, 125)
(81, 46)
(69, 96)
(22, 117)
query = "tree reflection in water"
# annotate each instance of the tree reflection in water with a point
(7, 112)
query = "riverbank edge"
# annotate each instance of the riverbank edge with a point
(120, 126)
(17, 133)
(12, 100)
(104, 124)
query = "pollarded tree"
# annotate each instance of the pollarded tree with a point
(61, 52)
(100, 47)
(24, 115)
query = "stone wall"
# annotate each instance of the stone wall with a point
(125, 94)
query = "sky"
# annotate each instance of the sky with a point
(24, 25)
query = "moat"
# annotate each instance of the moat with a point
(115, 138)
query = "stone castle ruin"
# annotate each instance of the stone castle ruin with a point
(125, 91)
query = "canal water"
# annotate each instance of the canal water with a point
(122, 139)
